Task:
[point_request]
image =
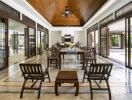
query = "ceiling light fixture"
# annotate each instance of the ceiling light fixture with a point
(66, 12)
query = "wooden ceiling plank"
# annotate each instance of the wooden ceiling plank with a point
(51, 10)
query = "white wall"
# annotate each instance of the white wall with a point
(67, 31)
(54, 36)
(78, 35)
(81, 36)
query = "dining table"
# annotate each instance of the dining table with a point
(64, 51)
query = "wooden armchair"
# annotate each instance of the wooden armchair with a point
(99, 72)
(34, 73)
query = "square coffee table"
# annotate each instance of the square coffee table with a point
(67, 77)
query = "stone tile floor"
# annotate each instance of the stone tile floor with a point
(11, 81)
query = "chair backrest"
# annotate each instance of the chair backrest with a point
(93, 53)
(100, 70)
(89, 62)
(29, 69)
(54, 53)
(90, 53)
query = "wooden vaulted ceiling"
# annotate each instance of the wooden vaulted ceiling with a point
(82, 10)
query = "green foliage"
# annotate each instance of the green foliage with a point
(115, 40)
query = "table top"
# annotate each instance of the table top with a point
(71, 50)
(67, 75)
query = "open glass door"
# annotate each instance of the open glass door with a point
(128, 52)
(3, 44)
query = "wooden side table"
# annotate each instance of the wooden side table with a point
(67, 77)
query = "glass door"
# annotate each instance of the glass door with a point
(43, 41)
(30, 42)
(91, 39)
(47, 40)
(128, 51)
(130, 41)
(3, 44)
(126, 43)
(104, 43)
(38, 42)
(97, 40)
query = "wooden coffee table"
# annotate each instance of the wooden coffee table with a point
(67, 77)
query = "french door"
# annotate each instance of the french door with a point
(128, 43)
(3, 43)
(30, 42)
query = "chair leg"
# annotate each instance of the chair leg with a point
(109, 91)
(39, 89)
(77, 56)
(34, 83)
(100, 81)
(48, 76)
(43, 79)
(83, 77)
(56, 62)
(47, 63)
(21, 94)
(91, 89)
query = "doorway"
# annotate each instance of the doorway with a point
(16, 42)
(117, 41)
